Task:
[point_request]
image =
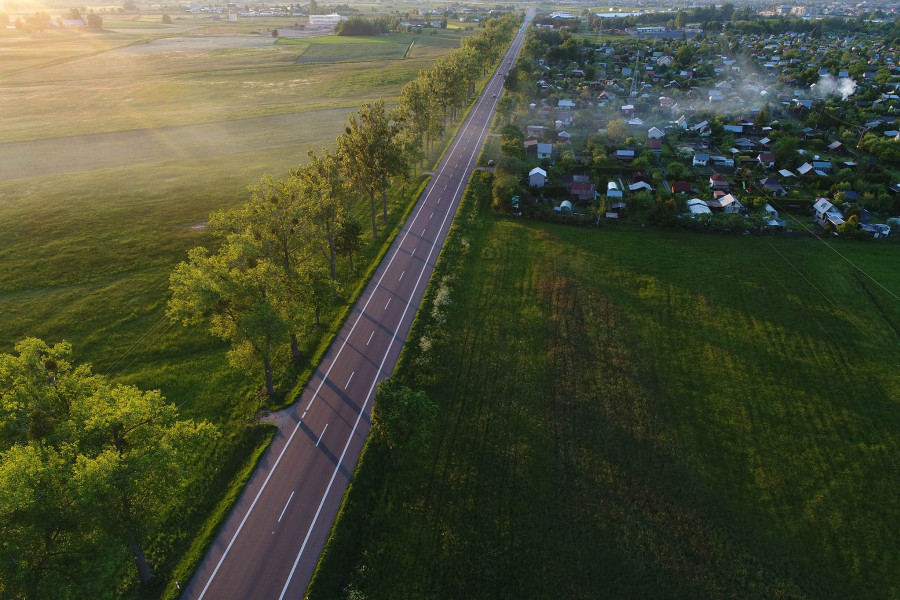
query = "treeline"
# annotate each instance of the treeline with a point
(890, 31)
(90, 470)
(276, 266)
(364, 26)
(708, 15)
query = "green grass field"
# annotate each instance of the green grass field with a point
(640, 413)
(352, 52)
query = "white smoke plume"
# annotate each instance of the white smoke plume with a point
(828, 85)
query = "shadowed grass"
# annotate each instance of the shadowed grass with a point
(639, 413)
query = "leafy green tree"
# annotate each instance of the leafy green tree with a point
(677, 170)
(83, 462)
(763, 117)
(232, 293)
(282, 223)
(616, 131)
(512, 141)
(323, 200)
(419, 114)
(370, 154)
(401, 418)
(349, 239)
(785, 150)
(505, 107)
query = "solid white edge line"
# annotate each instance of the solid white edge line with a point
(321, 434)
(372, 387)
(285, 506)
(291, 437)
(324, 379)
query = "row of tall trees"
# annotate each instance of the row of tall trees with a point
(276, 263)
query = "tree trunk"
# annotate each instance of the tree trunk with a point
(140, 560)
(374, 212)
(296, 356)
(384, 202)
(395, 451)
(270, 386)
(351, 261)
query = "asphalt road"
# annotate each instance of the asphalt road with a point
(269, 546)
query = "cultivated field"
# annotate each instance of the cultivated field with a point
(344, 52)
(639, 413)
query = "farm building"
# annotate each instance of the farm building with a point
(537, 177)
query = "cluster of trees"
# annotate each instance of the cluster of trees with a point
(437, 94)
(276, 268)
(88, 470)
(276, 264)
(886, 149)
(364, 26)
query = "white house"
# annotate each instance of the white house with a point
(826, 213)
(565, 105)
(726, 203)
(655, 133)
(537, 177)
(701, 159)
(331, 19)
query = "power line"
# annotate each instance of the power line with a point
(824, 295)
(146, 346)
(833, 249)
(133, 346)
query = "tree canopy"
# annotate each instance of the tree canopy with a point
(86, 467)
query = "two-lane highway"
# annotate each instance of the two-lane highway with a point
(270, 543)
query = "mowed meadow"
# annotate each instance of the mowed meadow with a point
(114, 149)
(639, 413)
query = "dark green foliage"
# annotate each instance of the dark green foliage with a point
(402, 418)
(363, 26)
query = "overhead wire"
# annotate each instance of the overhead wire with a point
(133, 346)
